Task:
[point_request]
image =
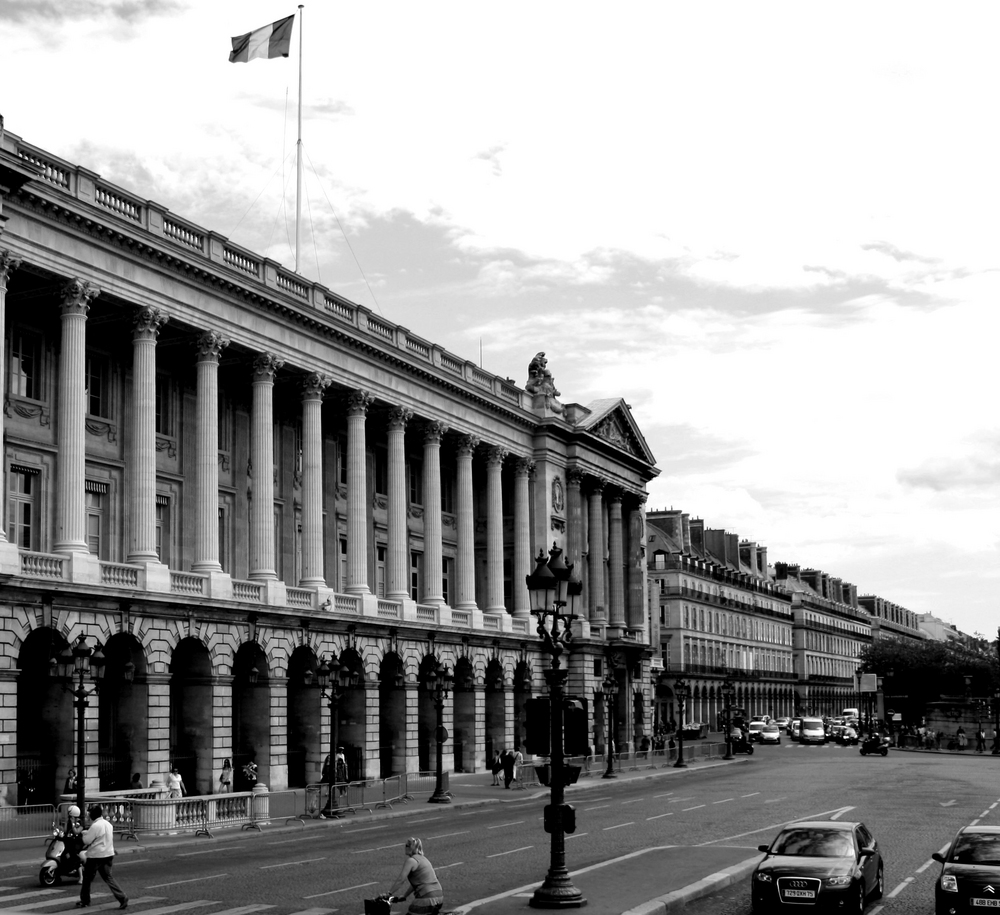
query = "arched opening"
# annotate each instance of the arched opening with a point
(522, 693)
(191, 725)
(464, 750)
(352, 734)
(45, 721)
(426, 718)
(495, 710)
(392, 716)
(305, 714)
(251, 717)
(122, 724)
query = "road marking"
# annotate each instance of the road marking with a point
(244, 909)
(608, 798)
(156, 886)
(577, 835)
(899, 889)
(444, 867)
(448, 835)
(511, 852)
(315, 911)
(680, 800)
(658, 816)
(775, 800)
(267, 867)
(368, 828)
(518, 806)
(181, 907)
(664, 795)
(726, 801)
(929, 863)
(636, 800)
(428, 820)
(61, 900)
(815, 816)
(841, 812)
(984, 814)
(505, 825)
(950, 803)
(32, 894)
(619, 826)
(974, 822)
(346, 889)
(472, 813)
(598, 807)
(207, 851)
(752, 794)
(696, 806)
(282, 842)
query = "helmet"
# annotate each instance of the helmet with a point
(73, 811)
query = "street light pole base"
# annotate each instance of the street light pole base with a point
(680, 764)
(439, 798)
(557, 893)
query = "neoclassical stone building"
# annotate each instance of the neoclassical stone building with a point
(224, 473)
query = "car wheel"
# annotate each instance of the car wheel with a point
(879, 887)
(862, 751)
(884, 751)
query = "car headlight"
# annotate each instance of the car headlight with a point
(762, 876)
(843, 880)
(949, 883)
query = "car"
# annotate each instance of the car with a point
(754, 728)
(818, 865)
(812, 731)
(795, 728)
(970, 871)
(770, 733)
(783, 722)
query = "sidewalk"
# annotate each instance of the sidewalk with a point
(649, 882)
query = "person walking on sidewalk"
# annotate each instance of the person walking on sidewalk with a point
(495, 768)
(980, 740)
(98, 840)
(507, 758)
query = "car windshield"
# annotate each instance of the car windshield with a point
(813, 843)
(812, 723)
(756, 725)
(977, 848)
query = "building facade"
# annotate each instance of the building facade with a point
(223, 474)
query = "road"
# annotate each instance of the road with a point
(913, 804)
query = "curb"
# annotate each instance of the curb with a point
(678, 898)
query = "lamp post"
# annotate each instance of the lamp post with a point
(682, 691)
(552, 587)
(74, 664)
(439, 682)
(333, 680)
(610, 689)
(728, 691)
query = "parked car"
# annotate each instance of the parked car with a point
(812, 731)
(795, 728)
(753, 730)
(783, 723)
(970, 871)
(818, 864)
(770, 733)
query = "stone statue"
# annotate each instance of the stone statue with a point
(541, 385)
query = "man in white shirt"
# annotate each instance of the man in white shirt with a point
(98, 840)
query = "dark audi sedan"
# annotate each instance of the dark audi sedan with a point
(970, 872)
(818, 866)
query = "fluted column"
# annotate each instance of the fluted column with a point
(521, 606)
(433, 570)
(466, 558)
(358, 403)
(142, 451)
(209, 348)
(8, 264)
(265, 366)
(494, 529)
(636, 603)
(595, 550)
(312, 480)
(396, 553)
(574, 528)
(616, 558)
(71, 412)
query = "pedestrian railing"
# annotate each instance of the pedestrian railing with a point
(28, 821)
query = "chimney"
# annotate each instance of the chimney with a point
(748, 556)
(686, 531)
(733, 550)
(762, 560)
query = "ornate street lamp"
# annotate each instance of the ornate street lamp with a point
(551, 588)
(682, 691)
(440, 682)
(333, 679)
(74, 664)
(610, 689)
(728, 691)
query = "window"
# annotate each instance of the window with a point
(380, 571)
(96, 509)
(278, 551)
(22, 514)
(416, 575)
(447, 571)
(98, 386)
(343, 565)
(163, 528)
(25, 373)
(224, 539)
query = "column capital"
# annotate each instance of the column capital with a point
(598, 484)
(209, 346)
(574, 476)
(523, 467)
(314, 385)
(265, 366)
(8, 264)
(495, 455)
(467, 444)
(358, 403)
(434, 431)
(77, 295)
(399, 417)
(148, 321)
(615, 495)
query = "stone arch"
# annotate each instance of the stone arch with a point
(305, 716)
(251, 716)
(495, 709)
(426, 715)
(392, 715)
(353, 734)
(191, 720)
(122, 742)
(522, 693)
(464, 706)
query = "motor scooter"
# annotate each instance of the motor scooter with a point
(875, 744)
(60, 859)
(742, 745)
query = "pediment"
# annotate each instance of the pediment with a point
(612, 421)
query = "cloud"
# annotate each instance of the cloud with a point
(945, 474)
(131, 12)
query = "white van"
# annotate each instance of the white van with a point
(850, 713)
(812, 731)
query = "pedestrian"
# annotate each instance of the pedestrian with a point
(136, 783)
(423, 882)
(996, 743)
(226, 777)
(175, 784)
(507, 758)
(962, 739)
(495, 768)
(98, 840)
(518, 762)
(980, 740)
(70, 786)
(340, 770)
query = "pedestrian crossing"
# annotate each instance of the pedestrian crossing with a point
(53, 901)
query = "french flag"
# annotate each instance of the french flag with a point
(272, 40)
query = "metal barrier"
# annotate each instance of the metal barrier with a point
(289, 804)
(29, 821)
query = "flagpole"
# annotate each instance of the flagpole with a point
(298, 154)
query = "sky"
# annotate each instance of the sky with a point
(770, 227)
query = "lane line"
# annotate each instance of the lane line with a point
(207, 851)
(598, 807)
(428, 820)
(346, 889)
(726, 801)
(444, 867)
(511, 852)
(752, 794)
(636, 800)
(619, 826)
(505, 825)
(930, 862)
(899, 889)
(696, 807)
(156, 886)
(660, 815)
(664, 795)
(267, 867)
(577, 835)
(448, 835)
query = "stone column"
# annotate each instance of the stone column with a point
(312, 480)
(433, 571)
(636, 606)
(265, 366)
(358, 403)
(71, 412)
(466, 558)
(494, 529)
(595, 550)
(522, 564)
(142, 451)
(209, 347)
(616, 558)
(397, 554)
(8, 264)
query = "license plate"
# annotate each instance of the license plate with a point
(986, 903)
(809, 894)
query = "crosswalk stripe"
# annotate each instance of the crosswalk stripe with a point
(244, 909)
(62, 899)
(316, 911)
(32, 894)
(181, 907)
